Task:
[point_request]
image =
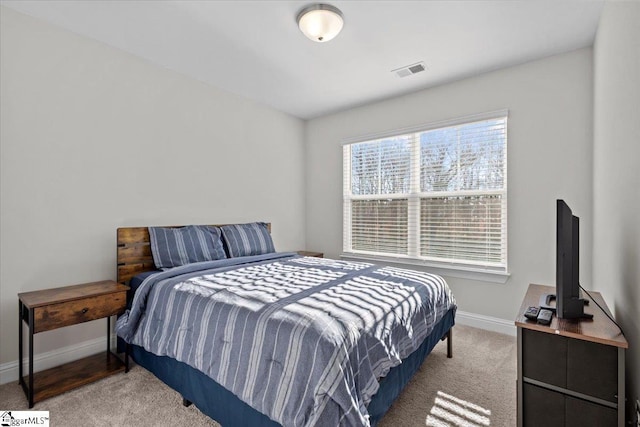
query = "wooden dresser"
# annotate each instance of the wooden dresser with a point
(571, 372)
(55, 308)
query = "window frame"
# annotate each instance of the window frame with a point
(454, 268)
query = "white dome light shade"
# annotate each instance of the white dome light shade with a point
(320, 22)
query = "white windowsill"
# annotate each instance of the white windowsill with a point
(462, 272)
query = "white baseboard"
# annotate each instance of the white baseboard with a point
(9, 370)
(488, 323)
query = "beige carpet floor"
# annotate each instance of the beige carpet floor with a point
(475, 388)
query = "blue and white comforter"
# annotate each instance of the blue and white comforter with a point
(302, 340)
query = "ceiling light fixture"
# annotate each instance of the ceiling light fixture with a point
(320, 22)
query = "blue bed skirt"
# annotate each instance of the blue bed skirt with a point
(223, 406)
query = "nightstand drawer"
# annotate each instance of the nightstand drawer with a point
(311, 254)
(55, 316)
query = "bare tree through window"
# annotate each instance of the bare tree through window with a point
(447, 186)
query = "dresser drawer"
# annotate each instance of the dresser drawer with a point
(55, 316)
(546, 357)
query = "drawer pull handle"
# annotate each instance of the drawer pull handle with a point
(84, 310)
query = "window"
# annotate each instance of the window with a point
(437, 194)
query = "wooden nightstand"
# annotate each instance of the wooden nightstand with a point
(50, 309)
(311, 253)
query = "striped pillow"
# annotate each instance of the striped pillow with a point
(247, 239)
(172, 247)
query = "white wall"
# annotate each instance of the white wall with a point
(93, 139)
(549, 156)
(616, 182)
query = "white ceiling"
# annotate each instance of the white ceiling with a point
(254, 48)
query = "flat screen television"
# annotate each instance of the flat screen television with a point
(569, 305)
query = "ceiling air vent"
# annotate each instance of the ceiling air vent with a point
(410, 70)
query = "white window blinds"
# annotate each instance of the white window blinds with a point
(437, 194)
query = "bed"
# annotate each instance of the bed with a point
(276, 339)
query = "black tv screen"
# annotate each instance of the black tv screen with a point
(569, 305)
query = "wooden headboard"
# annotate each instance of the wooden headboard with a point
(134, 251)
